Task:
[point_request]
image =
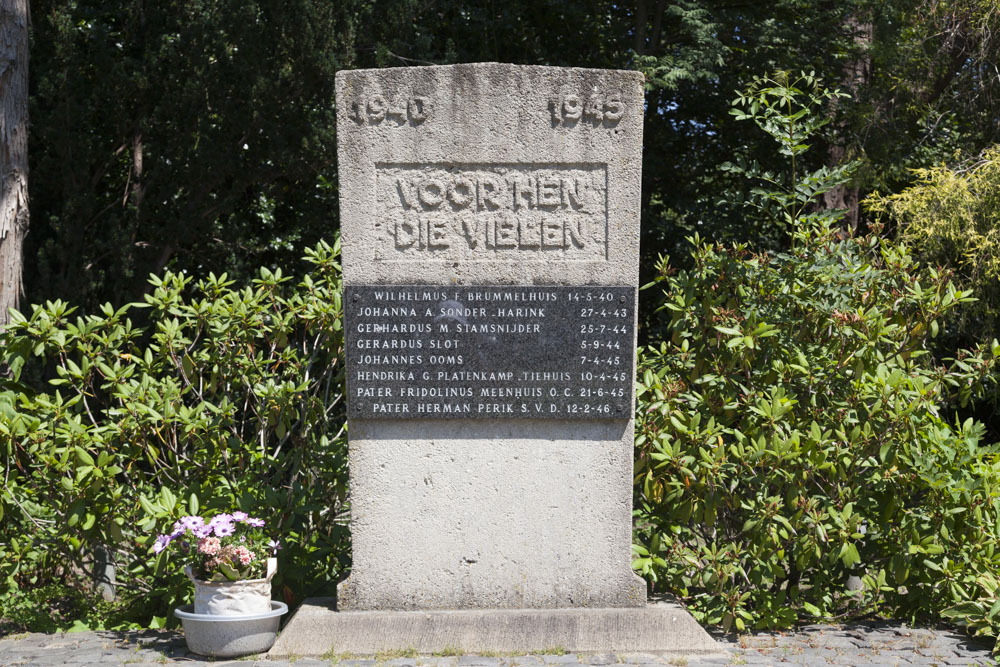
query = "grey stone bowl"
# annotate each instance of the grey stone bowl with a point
(230, 636)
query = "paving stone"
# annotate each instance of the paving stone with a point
(87, 656)
(756, 659)
(639, 658)
(150, 655)
(839, 641)
(709, 662)
(395, 662)
(815, 646)
(894, 654)
(904, 645)
(817, 656)
(477, 661)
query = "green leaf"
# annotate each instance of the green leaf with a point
(849, 555)
(229, 571)
(83, 456)
(188, 366)
(76, 512)
(811, 608)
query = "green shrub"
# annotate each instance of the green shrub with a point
(791, 434)
(57, 607)
(792, 428)
(230, 398)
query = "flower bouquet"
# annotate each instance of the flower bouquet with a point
(228, 558)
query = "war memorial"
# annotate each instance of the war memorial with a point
(490, 231)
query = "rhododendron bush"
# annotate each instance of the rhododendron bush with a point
(208, 396)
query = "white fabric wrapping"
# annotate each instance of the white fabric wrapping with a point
(233, 598)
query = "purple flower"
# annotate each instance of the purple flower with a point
(224, 529)
(275, 545)
(256, 523)
(222, 518)
(239, 516)
(161, 543)
(202, 531)
(192, 522)
(178, 529)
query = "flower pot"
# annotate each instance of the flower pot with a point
(233, 598)
(230, 636)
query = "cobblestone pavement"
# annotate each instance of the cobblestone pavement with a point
(853, 645)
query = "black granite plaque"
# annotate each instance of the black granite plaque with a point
(489, 352)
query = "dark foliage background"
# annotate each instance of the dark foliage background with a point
(200, 135)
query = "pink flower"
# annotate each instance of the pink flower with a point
(186, 523)
(224, 529)
(209, 545)
(244, 555)
(211, 563)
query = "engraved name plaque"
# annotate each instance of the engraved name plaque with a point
(489, 352)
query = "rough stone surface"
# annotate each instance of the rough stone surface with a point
(146, 649)
(478, 175)
(316, 629)
(490, 121)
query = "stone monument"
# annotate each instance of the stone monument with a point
(490, 235)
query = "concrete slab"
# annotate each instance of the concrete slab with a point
(317, 628)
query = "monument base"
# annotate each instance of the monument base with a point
(317, 628)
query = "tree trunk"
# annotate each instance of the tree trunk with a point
(641, 19)
(857, 75)
(13, 150)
